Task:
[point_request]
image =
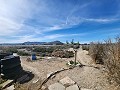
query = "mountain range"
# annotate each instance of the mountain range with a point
(35, 43)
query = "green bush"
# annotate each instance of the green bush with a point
(44, 49)
(39, 49)
(71, 62)
(22, 53)
(11, 50)
(62, 54)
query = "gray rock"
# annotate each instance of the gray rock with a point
(73, 87)
(56, 86)
(67, 81)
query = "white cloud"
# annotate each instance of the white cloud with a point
(25, 38)
(101, 20)
(9, 27)
(13, 15)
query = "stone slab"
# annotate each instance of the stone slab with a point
(67, 81)
(73, 87)
(56, 86)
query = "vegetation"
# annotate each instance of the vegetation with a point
(96, 52)
(112, 59)
(108, 53)
(22, 53)
(67, 42)
(72, 42)
(62, 54)
(85, 47)
(10, 50)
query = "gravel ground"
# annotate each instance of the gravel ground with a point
(85, 77)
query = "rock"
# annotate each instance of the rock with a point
(56, 86)
(44, 88)
(85, 89)
(35, 81)
(10, 88)
(15, 54)
(67, 81)
(73, 87)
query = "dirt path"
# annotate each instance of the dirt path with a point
(30, 68)
(84, 58)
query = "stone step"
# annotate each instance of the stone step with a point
(67, 81)
(56, 86)
(73, 87)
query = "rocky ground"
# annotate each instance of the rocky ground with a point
(84, 77)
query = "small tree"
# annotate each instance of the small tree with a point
(77, 45)
(67, 42)
(72, 42)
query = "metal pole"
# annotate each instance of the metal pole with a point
(75, 56)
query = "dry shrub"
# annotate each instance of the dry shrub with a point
(112, 59)
(96, 52)
(85, 47)
(109, 53)
(62, 54)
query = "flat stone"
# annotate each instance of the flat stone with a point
(73, 87)
(67, 81)
(85, 89)
(10, 88)
(56, 86)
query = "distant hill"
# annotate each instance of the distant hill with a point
(35, 43)
(43, 43)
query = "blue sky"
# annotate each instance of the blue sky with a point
(49, 20)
